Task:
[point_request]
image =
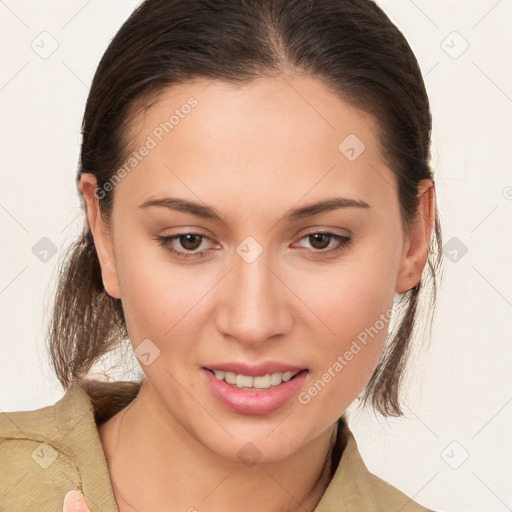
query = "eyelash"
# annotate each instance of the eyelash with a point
(163, 241)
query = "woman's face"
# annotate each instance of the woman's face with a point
(253, 291)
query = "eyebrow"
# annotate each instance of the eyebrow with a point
(210, 213)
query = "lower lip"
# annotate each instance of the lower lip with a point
(248, 401)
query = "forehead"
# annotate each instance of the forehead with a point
(274, 134)
(274, 111)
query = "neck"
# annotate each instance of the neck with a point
(154, 462)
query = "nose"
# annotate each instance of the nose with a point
(254, 303)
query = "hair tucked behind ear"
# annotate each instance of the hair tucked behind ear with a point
(350, 45)
(383, 388)
(86, 324)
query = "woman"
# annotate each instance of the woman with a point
(257, 191)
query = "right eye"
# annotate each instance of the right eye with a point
(188, 241)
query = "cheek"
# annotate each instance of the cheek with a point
(159, 299)
(357, 315)
(346, 361)
(351, 295)
(353, 302)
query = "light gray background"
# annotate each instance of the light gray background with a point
(458, 396)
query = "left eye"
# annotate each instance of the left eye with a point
(319, 238)
(192, 241)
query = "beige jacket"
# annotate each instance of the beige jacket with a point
(47, 452)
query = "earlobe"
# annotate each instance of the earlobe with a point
(417, 245)
(101, 235)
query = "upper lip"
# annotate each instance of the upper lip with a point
(254, 370)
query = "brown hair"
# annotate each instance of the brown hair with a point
(350, 45)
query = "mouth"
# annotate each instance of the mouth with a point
(254, 382)
(254, 390)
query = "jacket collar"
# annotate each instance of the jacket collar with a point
(69, 425)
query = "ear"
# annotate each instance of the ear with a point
(417, 243)
(101, 234)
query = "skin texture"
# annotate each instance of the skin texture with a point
(252, 152)
(75, 502)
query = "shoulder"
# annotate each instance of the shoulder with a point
(354, 487)
(39, 451)
(392, 497)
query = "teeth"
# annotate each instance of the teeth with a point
(229, 377)
(275, 379)
(287, 376)
(260, 382)
(243, 381)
